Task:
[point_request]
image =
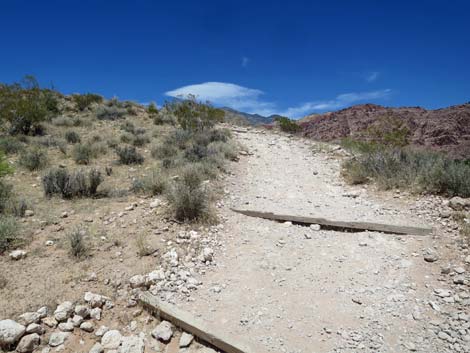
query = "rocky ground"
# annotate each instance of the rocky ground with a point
(277, 287)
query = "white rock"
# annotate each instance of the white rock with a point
(63, 311)
(95, 300)
(185, 340)
(58, 338)
(77, 320)
(87, 326)
(101, 331)
(28, 343)
(66, 326)
(97, 348)
(49, 321)
(163, 332)
(137, 281)
(49, 242)
(29, 213)
(111, 339)
(132, 344)
(42, 312)
(34, 328)
(17, 254)
(208, 254)
(95, 314)
(10, 332)
(155, 203)
(315, 227)
(28, 318)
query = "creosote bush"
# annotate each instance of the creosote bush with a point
(287, 125)
(129, 155)
(33, 159)
(70, 185)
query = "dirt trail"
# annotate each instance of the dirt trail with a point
(288, 288)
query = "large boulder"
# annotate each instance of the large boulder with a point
(10, 332)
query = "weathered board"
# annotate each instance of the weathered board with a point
(355, 226)
(188, 323)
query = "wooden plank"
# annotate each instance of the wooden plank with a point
(188, 323)
(355, 226)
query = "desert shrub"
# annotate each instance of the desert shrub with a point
(5, 167)
(17, 207)
(194, 116)
(8, 233)
(188, 199)
(23, 107)
(110, 112)
(127, 137)
(69, 121)
(82, 153)
(164, 150)
(417, 170)
(112, 143)
(10, 145)
(226, 150)
(287, 125)
(71, 184)
(152, 109)
(83, 101)
(140, 140)
(72, 137)
(6, 192)
(78, 248)
(129, 155)
(33, 159)
(196, 152)
(128, 127)
(153, 184)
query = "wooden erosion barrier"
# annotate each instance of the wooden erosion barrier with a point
(188, 323)
(352, 226)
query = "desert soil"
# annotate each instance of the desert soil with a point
(280, 287)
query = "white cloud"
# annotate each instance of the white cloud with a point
(250, 100)
(372, 76)
(245, 61)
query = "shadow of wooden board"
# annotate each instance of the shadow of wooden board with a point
(341, 225)
(189, 323)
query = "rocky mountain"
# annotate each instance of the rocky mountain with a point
(246, 118)
(446, 129)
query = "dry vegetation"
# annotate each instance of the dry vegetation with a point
(68, 164)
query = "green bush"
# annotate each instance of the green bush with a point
(33, 159)
(129, 155)
(287, 125)
(71, 184)
(8, 233)
(10, 145)
(188, 199)
(152, 109)
(83, 101)
(408, 168)
(24, 107)
(72, 137)
(5, 167)
(194, 116)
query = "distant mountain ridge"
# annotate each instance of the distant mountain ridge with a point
(246, 118)
(446, 129)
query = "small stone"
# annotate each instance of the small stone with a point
(77, 320)
(66, 326)
(155, 203)
(82, 311)
(50, 321)
(101, 331)
(63, 311)
(132, 344)
(29, 213)
(64, 214)
(445, 270)
(315, 227)
(95, 314)
(95, 300)
(163, 332)
(10, 332)
(431, 256)
(28, 318)
(137, 281)
(185, 340)
(87, 326)
(459, 270)
(42, 312)
(111, 339)
(207, 254)
(34, 328)
(28, 343)
(49, 242)
(17, 255)
(58, 338)
(97, 348)
(459, 280)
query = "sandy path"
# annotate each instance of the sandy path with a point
(287, 288)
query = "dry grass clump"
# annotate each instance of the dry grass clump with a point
(78, 247)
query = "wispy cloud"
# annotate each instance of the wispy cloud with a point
(372, 76)
(251, 100)
(245, 61)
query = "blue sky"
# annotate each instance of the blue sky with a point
(290, 57)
